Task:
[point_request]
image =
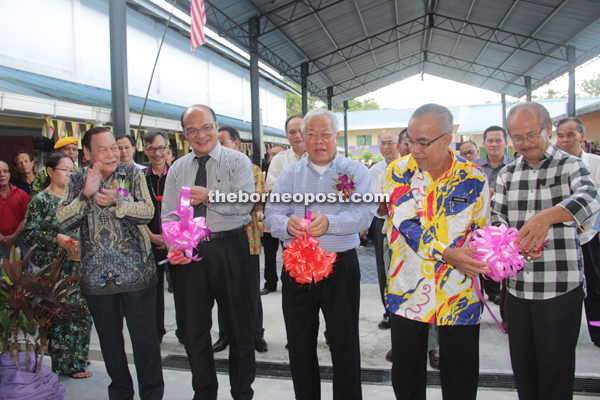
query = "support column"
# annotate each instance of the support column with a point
(254, 29)
(304, 76)
(528, 87)
(330, 98)
(346, 129)
(503, 100)
(117, 18)
(571, 67)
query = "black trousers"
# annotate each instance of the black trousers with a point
(338, 296)
(542, 340)
(222, 274)
(256, 301)
(591, 267)
(178, 301)
(381, 272)
(139, 311)
(491, 287)
(459, 359)
(271, 244)
(160, 255)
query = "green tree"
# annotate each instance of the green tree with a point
(294, 103)
(591, 86)
(550, 94)
(358, 105)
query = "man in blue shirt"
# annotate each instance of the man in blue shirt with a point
(336, 225)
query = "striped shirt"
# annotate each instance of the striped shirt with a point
(346, 219)
(228, 171)
(558, 179)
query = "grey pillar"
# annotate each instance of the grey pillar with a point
(528, 87)
(503, 99)
(329, 98)
(117, 18)
(254, 29)
(304, 76)
(346, 128)
(571, 60)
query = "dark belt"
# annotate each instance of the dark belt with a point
(226, 234)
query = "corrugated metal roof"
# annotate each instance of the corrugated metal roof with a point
(358, 46)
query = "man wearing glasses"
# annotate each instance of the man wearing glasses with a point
(436, 201)
(546, 194)
(224, 271)
(469, 151)
(336, 225)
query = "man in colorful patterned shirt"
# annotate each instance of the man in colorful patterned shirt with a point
(436, 201)
(110, 204)
(546, 194)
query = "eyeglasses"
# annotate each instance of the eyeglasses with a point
(390, 143)
(205, 129)
(152, 150)
(531, 138)
(421, 143)
(67, 171)
(312, 136)
(224, 142)
(468, 153)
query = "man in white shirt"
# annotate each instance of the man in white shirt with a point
(126, 149)
(291, 155)
(570, 132)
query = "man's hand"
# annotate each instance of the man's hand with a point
(7, 241)
(461, 259)
(92, 179)
(533, 233)
(382, 210)
(158, 240)
(318, 226)
(293, 227)
(198, 194)
(177, 256)
(108, 196)
(364, 234)
(63, 241)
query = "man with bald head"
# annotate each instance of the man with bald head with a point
(469, 151)
(223, 272)
(546, 194)
(389, 146)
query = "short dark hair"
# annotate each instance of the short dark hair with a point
(401, 135)
(52, 162)
(469, 141)
(123, 136)
(21, 152)
(87, 137)
(495, 128)
(233, 133)
(580, 125)
(211, 111)
(287, 121)
(150, 136)
(443, 115)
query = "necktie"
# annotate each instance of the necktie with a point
(200, 209)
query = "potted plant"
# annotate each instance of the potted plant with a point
(30, 302)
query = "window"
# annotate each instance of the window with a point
(341, 141)
(363, 140)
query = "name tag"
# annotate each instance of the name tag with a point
(461, 200)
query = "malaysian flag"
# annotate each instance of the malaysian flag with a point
(198, 20)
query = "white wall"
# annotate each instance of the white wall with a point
(69, 40)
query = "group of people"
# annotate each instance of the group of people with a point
(427, 274)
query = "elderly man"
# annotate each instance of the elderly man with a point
(68, 146)
(13, 206)
(436, 201)
(224, 271)
(336, 225)
(229, 137)
(389, 146)
(126, 149)
(155, 145)
(278, 164)
(23, 163)
(117, 267)
(570, 132)
(546, 194)
(469, 151)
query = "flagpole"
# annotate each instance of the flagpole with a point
(155, 63)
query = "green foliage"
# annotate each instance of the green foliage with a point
(294, 103)
(367, 155)
(358, 105)
(550, 94)
(591, 86)
(30, 303)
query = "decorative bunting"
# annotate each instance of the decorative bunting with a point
(61, 129)
(48, 129)
(75, 129)
(177, 139)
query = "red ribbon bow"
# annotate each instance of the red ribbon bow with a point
(305, 261)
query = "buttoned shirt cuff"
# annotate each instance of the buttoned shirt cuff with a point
(437, 250)
(578, 213)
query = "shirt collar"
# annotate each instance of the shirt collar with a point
(332, 164)
(150, 170)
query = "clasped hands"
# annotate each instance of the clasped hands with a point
(104, 197)
(318, 226)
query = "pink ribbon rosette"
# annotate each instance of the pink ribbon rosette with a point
(496, 246)
(188, 232)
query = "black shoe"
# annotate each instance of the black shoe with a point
(170, 288)
(220, 345)
(496, 300)
(260, 344)
(388, 356)
(266, 290)
(385, 322)
(326, 338)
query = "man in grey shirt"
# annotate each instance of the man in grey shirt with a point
(224, 271)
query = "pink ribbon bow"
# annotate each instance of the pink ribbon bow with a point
(496, 245)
